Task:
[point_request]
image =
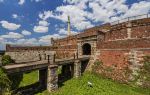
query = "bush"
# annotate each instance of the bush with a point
(4, 83)
(97, 64)
(144, 75)
(6, 59)
(15, 79)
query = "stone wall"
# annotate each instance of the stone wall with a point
(25, 56)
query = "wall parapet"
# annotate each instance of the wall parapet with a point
(11, 48)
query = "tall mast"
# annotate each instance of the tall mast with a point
(69, 32)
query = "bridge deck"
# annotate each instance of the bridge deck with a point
(70, 60)
(27, 66)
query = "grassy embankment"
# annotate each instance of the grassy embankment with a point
(101, 86)
(29, 78)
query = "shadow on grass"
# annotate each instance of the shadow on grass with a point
(30, 89)
(62, 79)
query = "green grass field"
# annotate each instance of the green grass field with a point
(29, 78)
(79, 86)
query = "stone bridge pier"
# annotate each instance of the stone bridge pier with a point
(48, 69)
(73, 70)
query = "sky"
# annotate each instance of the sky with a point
(34, 22)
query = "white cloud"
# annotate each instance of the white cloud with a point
(40, 29)
(25, 32)
(77, 16)
(46, 15)
(142, 7)
(10, 26)
(71, 1)
(14, 15)
(43, 23)
(2, 40)
(64, 32)
(21, 2)
(101, 11)
(38, 0)
(12, 35)
(31, 41)
(47, 39)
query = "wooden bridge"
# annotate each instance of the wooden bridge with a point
(48, 69)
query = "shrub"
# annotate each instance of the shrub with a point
(6, 59)
(145, 72)
(97, 64)
(15, 79)
(4, 83)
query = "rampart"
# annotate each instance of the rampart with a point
(119, 47)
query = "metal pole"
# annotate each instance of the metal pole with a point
(45, 56)
(74, 55)
(40, 57)
(48, 58)
(54, 58)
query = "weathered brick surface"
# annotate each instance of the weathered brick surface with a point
(140, 31)
(114, 57)
(125, 44)
(116, 34)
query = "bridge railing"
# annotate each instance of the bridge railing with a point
(131, 18)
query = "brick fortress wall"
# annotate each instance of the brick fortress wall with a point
(66, 47)
(123, 49)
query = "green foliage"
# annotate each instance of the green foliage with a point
(96, 65)
(144, 74)
(109, 69)
(147, 63)
(101, 86)
(4, 83)
(15, 79)
(6, 59)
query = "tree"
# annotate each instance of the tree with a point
(4, 83)
(6, 59)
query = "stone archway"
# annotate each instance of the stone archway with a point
(86, 49)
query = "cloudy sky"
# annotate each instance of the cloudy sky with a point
(34, 22)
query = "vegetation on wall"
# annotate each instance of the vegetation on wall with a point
(16, 80)
(141, 75)
(144, 73)
(6, 59)
(97, 64)
(4, 83)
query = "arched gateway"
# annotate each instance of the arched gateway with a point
(86, 49)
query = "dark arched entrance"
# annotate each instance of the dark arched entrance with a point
(86, 49)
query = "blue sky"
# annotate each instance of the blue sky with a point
(34, 22)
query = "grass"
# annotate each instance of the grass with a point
(101, 86)
(29, 78)
(79, 86)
